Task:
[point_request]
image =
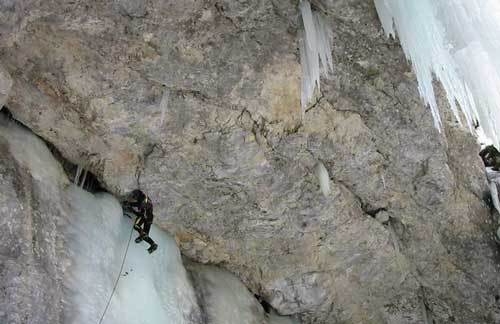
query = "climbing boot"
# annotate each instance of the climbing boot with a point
(139, 239)
(152, 248)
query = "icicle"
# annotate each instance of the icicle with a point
(458, 42)
(315, 52)
(83, 179)
(80, 176)
(79, 170)
(323, 178)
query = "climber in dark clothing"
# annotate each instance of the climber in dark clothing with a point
(491, 157)
(142, 207)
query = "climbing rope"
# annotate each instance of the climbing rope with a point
(119, 275)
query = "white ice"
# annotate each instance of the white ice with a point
(80, 176)
(323, 178)
(227, 301)
(315, 52)
(458, 43)
(153, 288)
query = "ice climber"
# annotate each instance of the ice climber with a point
(142, 207)
(491, 157)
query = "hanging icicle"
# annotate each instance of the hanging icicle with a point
(80, 176)
(458, 43)
(315, 52)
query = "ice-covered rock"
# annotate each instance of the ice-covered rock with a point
(152, 288)
(63, 249)
(226, 300)
(78, 242)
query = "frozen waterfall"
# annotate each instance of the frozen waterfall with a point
(152, 288)
(458, 43)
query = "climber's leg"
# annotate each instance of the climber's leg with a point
(138, 227)
(152, 245)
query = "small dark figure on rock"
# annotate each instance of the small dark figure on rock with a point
(142, 207)
(491, 157)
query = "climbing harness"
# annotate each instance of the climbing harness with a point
(119, 274)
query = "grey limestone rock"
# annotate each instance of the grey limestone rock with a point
(132, 8)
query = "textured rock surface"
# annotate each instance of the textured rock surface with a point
(198, 102)
(95, 73)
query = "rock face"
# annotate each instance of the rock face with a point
(101, 74)
(198, 103)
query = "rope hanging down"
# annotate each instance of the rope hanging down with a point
(119, 275)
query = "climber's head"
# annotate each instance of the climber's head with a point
(137, 195)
